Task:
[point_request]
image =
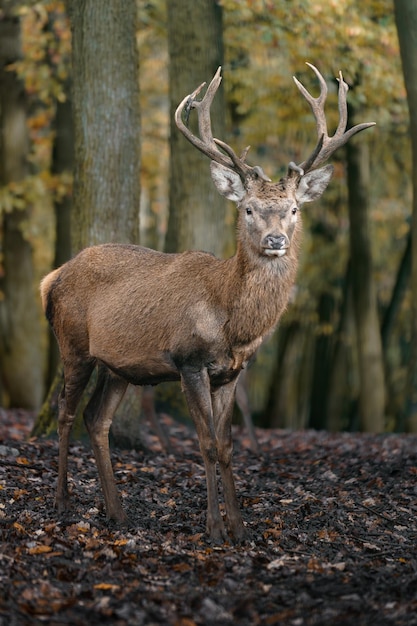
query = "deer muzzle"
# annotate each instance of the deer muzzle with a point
(275, 245)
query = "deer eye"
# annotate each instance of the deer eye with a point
(294, 210)
(248, 210)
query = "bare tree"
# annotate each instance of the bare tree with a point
(406, 19)
(197, 213)
(105, 98)
(371, 403)
(106, 122)
(21, 360)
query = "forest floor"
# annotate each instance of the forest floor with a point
(332, 520)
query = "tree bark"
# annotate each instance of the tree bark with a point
(197, 215)
(21, 356)
(343, 389)
(105, 98)
(369, 345)
(291, 379)
(62, 161)
(322, 363)
(398, 293)
(106, 121)
(406, 20)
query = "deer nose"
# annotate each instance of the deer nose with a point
(275, 242)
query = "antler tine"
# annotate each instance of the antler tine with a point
(204, 105)
(206, 143)
(342, 101)
(326, 145)
(316, 104)
(239, 162)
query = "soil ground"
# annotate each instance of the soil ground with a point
(332, 522)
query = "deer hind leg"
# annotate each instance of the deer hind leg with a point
(76, 377)
(98, 416)
(222, 402)
(242, 402)
(148, 408)
(196, 386)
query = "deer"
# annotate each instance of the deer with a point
(140, 316)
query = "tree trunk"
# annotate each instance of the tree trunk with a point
(395, 394)
(398, 293)
(369, 345)
(63, 161)
(105, 98)
(406, 20)
(197, 216)
(106, 121)
(291, 379)
(343, 387)
(21, 356)
(322, 362)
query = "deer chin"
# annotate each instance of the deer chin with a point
(272, 252)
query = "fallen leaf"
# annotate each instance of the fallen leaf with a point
(182, 567)
(22, 460)
(41, 549)
(18, 527)
(106, 586)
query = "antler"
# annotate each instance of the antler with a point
(327, 145)
(206, 143)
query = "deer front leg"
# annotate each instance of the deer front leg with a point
(98, 416)
(196, 386)
(222, 402)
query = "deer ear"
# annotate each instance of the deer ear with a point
(312, 185)
(228, 183)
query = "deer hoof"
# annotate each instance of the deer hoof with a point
(240, 535)
(62, 506)
(217, 534)
(119, 518)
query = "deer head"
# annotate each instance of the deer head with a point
(268, 212)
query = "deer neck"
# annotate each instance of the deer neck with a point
(255, 292)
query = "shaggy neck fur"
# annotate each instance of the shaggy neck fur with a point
(255, 290)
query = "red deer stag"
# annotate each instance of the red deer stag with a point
(144, 317)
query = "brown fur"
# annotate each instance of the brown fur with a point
(45, 286)
(145, 317)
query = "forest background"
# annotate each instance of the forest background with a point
(342, 358)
